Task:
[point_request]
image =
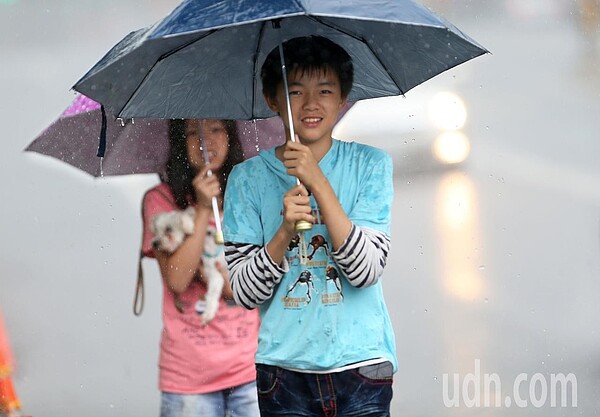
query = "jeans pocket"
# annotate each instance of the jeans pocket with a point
(379, 373)
(267, 379)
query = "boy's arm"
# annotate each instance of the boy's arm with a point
(253, 274)
(360, 252)
(363, 256)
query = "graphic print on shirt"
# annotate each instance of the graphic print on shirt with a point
(304, 280)
(318, 242)
(318, 276)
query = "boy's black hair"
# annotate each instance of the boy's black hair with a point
(179, 173)
(307, 54)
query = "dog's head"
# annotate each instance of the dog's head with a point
(171, 228)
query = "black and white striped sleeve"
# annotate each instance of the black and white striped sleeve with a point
(362, 257)
(252, 273)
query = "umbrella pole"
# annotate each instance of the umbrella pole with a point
(301, 225)
(219, 240)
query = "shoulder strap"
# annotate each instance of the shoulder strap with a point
(138, 299)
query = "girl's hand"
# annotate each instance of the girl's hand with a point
(296, 206)
(206, 188)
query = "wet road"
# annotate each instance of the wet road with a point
(495, 268)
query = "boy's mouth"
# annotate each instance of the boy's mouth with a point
(312, 121)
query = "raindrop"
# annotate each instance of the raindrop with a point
(435, 378)
(481, 267)
(485, 300)
(425, 311)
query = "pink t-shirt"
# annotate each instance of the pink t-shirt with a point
(196, 359)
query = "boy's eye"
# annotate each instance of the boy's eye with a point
(294, 93)
(325, 91)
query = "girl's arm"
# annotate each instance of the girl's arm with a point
(178, 269)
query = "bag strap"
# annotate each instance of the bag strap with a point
(138, 299)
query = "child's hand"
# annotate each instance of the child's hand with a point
(296, 206)
(301, 163)
(206, 188)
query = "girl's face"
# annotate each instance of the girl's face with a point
(210, 133)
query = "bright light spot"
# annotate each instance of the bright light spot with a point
(447, 111)
(451, 147)
(458, 230)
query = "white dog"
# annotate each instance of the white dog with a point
(170, 229)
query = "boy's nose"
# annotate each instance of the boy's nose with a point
(310, 101)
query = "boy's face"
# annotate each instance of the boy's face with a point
(316, 100)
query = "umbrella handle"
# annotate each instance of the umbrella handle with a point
(301, 225)
(219, 240)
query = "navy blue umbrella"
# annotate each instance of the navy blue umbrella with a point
(204, 59)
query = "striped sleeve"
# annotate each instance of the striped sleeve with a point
(362, 257)
(252, 273)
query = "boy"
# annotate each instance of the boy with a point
(326, 344)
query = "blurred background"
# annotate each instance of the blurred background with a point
(495, 265)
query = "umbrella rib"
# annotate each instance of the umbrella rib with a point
(255, 64)
(159, 59)
(362, 40)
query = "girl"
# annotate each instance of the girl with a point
(204, 370)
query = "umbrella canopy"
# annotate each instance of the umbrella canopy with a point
(203, 60)
(133, 146)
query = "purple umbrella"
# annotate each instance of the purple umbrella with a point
(134, 146)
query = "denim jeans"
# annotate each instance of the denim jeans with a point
(238, 401)
(356, 392)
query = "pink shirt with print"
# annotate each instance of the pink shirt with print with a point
(196, 359)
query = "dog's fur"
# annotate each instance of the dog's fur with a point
(170, 229)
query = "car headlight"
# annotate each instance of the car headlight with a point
(447, 111)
